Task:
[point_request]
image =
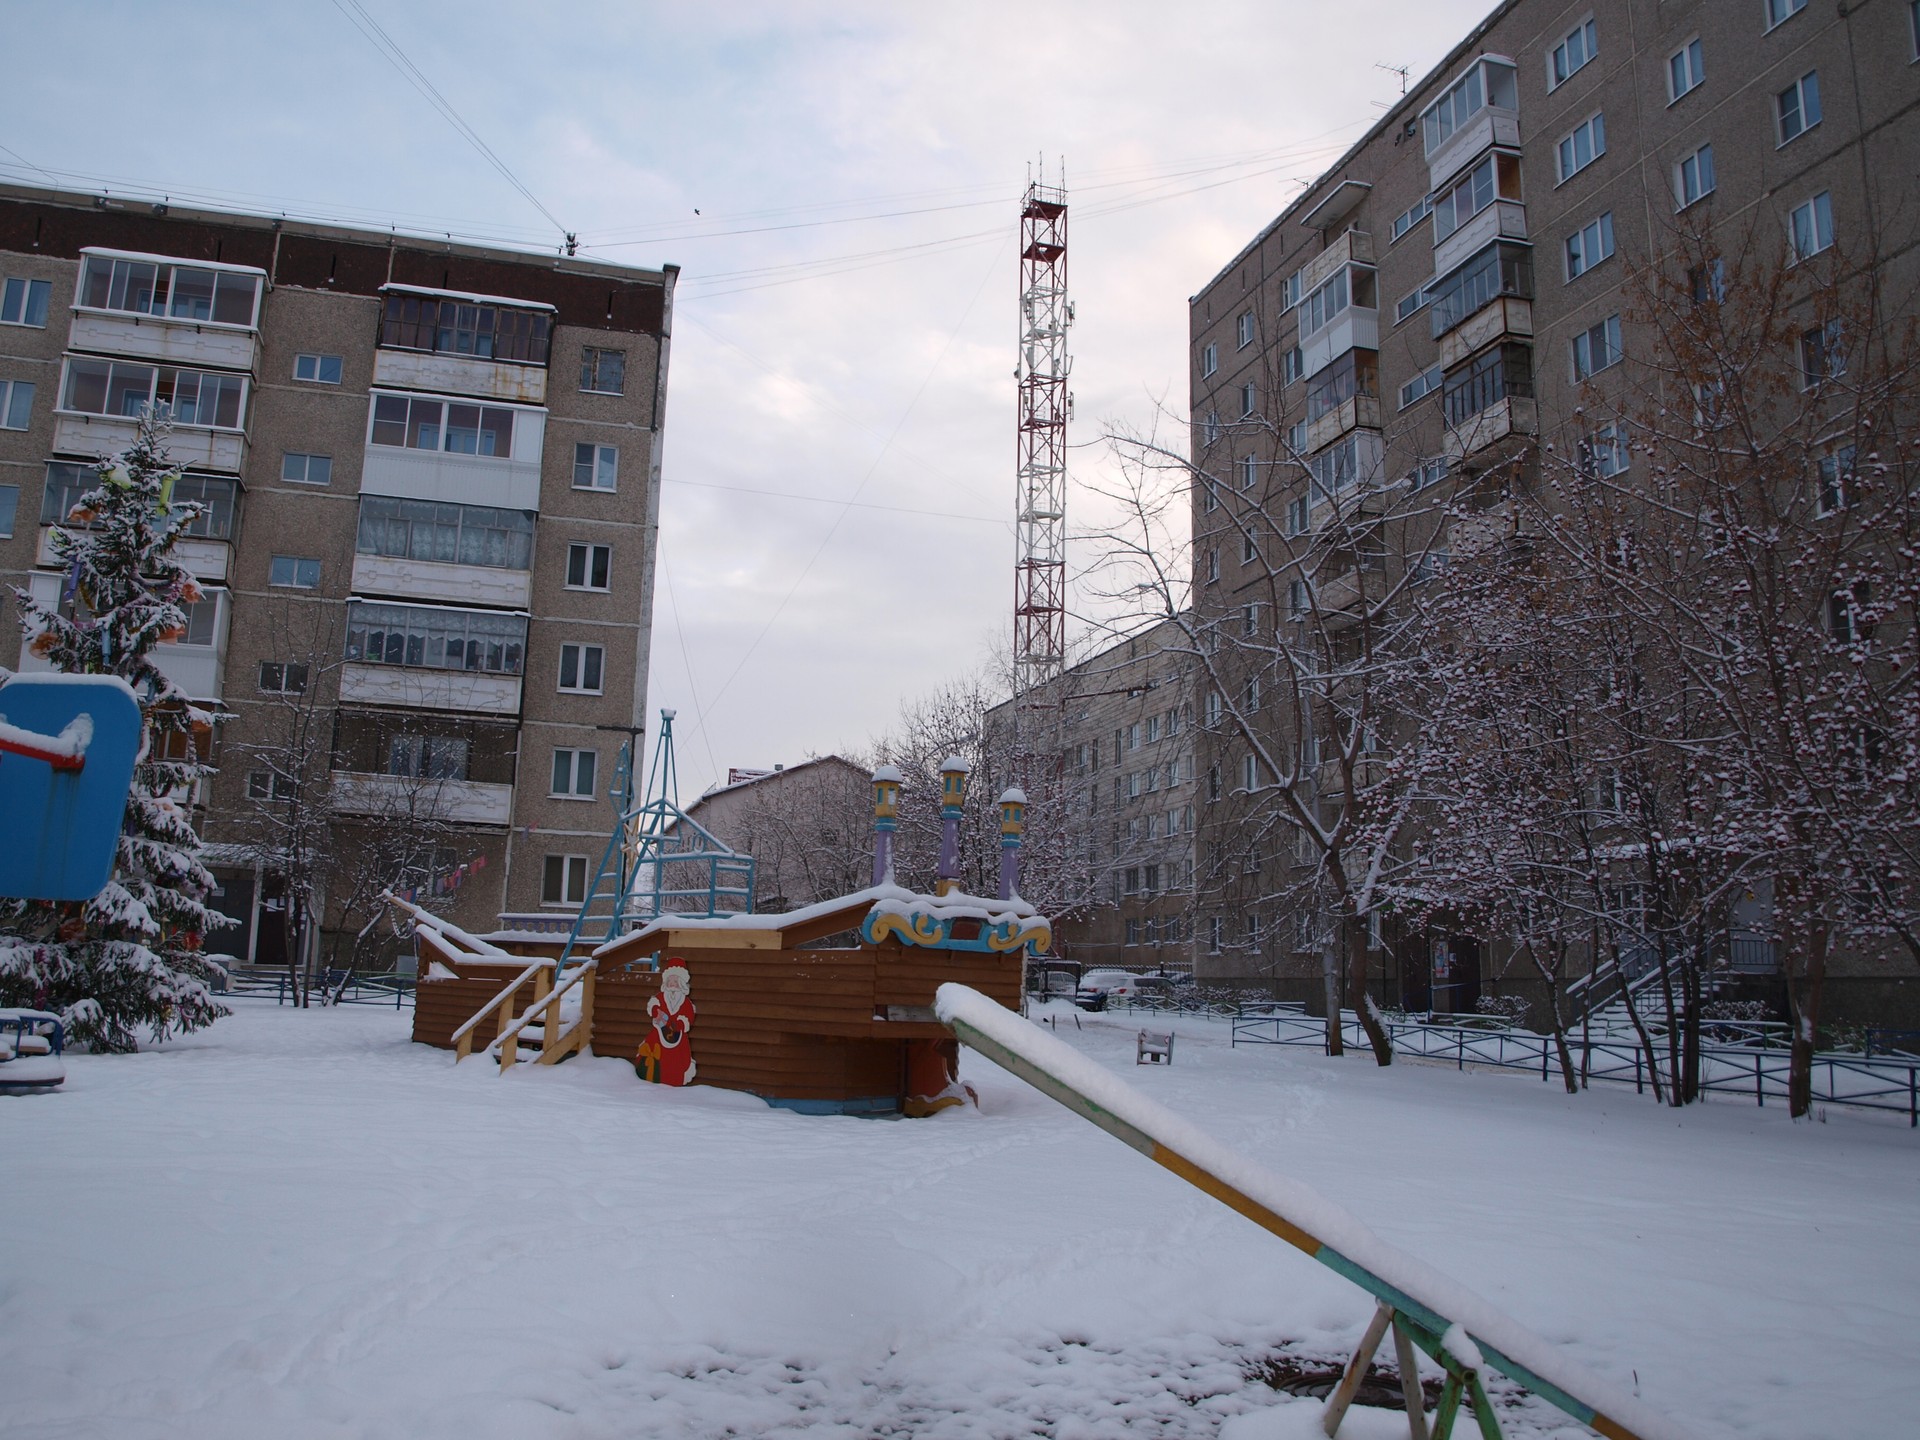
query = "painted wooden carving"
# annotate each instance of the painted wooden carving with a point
(666, 1055)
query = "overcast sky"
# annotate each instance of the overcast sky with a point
(837, 520)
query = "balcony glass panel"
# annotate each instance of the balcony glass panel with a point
(429, 637)
(1487, 379)
(1495, 271)
(1355, 373)
(453, 327)
(450, 534)
(1489, 82)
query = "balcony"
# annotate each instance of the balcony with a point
(163, 338)
(1356, 412)
(1512, 415)
(463, 802)
(1353, 247)
(196, 664)
(1503, 219)
(437, 580)
(455, 690)
(1353, 329)
(460, 375)
(204, 559)
(454, 478)
(75, 433)
(1493, 125)
(1507, 317)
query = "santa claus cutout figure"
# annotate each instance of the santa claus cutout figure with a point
(666, 1056)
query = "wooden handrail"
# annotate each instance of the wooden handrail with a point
(463, 1037)
(509, 1035)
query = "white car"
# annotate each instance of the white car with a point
(1097, 987)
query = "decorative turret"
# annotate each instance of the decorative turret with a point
(1013, 820)
(886, 818)
(953, 794)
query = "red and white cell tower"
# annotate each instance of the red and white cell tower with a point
(1040, 571)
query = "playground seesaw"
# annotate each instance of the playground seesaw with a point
(1463, 1332)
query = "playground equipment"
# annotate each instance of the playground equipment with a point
(1464, 1333)
(763, 1003)
(67, 749)
(31, 1042)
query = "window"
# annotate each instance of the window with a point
(1589, 245)
(283, 677)
(189, 397)
(1297, 437)
(1133, 930)
(1492, 376)
(306, 469)
(1291, 366)
(573, 773)
(1835, 478)
(1428, 563)
(1913, 26)
(589, 567)
(1604, 453)
(580, 667)
(564, 881)
(1299, 515)
(1823, 355)
(1797, 108)
(1209, 497)
(1844, 621)
(320, 369)
(1131, 881)
(1249, 400)
(1150, 880)
(1708, 282)
(1686, 68)
(1423, 384)
(1810, 227)
(1586, 144)
(1693, 177)
(1500, 269)
(1488, 82)
(464, 327)
(24, 302)
(1428, 472)
(1249, 772)
(1407, 306)
(1571, 54)
(1210, 428)
(1411, 216)
(1709, 404)
(603, 372)
(449, 425)
(595, 467)
(446, 534)
(1350, 285)
(1356, 372)
(427, 757)
(181, 292)
(1213, 566)
(1209, 359)
(1780, 10)
(1299, 599)
(1336, 469)
(293, 572)
(436, 637)
(1253, 693)
(1152, 729)
(9, 508)
(1212, 708)
(1597, 348)
(16, 404)
(268, 786)
(1246, 328)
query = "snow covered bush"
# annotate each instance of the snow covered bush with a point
(132, 956)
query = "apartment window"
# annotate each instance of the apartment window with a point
(319, 369)
(1428, 563)
(1823, 355)
(1249, 772)
(189, 397)
(1693, 177)
(445, 534)
(293, 572)
(1209, 359)
(1810, 227)
(268, 786)
(1781, 10)
(595, 467)
(1213, 566)
(1150, 880)
(24, 302)
(1597, 348)
(573, 773)
(464, 327)
(1500, 269)
(1297, 437)
(1423, 384)
(1212, 708)
(564, 881)
(181, 292)
(1488, 82)
(9, 508)
(1796, 109)
(603, 372)
(1586, 144)
(1209, 498)
(1133, 737)
(1573, 53)
(1152, 723)
(1253, 693)
(462, 429)
(1249, 548)
(283, 677)
(1411, 216)
(1210, 428)
(1291, 291)
(1249, 400)
(1337, 469)
(1299, 599)
(1350, 285)
(1131, 881)
(1133, 932)
(589, 567)
(16, 404)
(1708, 282)
(1709, 404)
(436, 637)
(303, 469)
(1428, 472)
(1292, 365)
(1844, 622)
(427, 757)
(1834, 478)
(1686, 68)
(1605, 453)
(1492, 376)
(1299, 515)
(1245, 328)
(580, 669)
(1408, 306)
(1913, 27)
(1589, 245)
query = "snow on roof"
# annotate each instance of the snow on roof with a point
(766, 775)
(445, 928)
(470, 298)
(956, 762)
(1014, 796)
(889, 773)
(182, 261)
(875, 899)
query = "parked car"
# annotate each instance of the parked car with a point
(1097, 987)
(1053, 981)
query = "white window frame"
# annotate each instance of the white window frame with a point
(1408, 306)
(294, 567)
(572, 766)
(1292, 366)
(606, 458)
(1588, 363)
(1781, 11)
(572, 867)
(1595, 129)
(517, 434)
(1688, 62)
(1606, 452)
(1803, 90)
(1213, 566)
(1415, 213)
(578, 651)
(17, 294)
(16, 404)
(1244, 328)
(1299, 515)
(1422, 385)
(588, 552)
(1249, 547)
(1249, 471)
(320, 367)
(1831, 477)
(9, 510)
(1817, 212)
(1210, 429)
(1561, 64)
(305, 467)
(1701, 160)
(1249, 400)
(1209, 359)
(271, 788)
(285, 676)
(1595, 237)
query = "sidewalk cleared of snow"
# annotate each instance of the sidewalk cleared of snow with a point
(299, 1224)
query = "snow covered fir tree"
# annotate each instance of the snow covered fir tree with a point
(132, 956)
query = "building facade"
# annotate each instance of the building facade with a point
(1453, 299)
(808, 827)
(432, 473)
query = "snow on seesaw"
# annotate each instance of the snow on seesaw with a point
(299, 1224)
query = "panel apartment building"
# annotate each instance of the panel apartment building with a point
(432, 472)
(1461, 273)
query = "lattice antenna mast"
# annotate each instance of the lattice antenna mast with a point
(1046, 405)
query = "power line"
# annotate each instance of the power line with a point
(831, 500)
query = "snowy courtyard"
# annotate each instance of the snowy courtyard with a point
(300, 1224)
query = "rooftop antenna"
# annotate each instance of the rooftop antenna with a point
(1401, 70)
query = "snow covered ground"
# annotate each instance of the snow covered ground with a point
(299, 1224)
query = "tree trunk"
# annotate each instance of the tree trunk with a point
(1640, 1029)
(1806, 1021)
(1355, 928)
(1330, 973)
(1556, 1018)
